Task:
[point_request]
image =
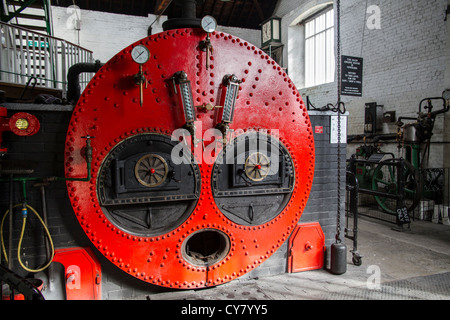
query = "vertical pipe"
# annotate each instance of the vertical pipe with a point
(35, 56)
(27, 44)
(23, 78)
(15, 59)
(64, 69)
(11, 190)
(188, 8)
(44, 217)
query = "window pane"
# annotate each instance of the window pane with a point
(331, 64)
(309, 62)
(320, 23)
(320, 58)
(309, 29)
(330, 18)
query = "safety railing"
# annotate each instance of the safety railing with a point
(391, 185)
(27, 55)
(351, 215)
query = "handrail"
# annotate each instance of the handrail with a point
(44, 35)
(25, 53)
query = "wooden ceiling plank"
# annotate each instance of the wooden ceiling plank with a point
(231, 15)
(258, 10)
(219, 17)
(161, 5)
(242, 10)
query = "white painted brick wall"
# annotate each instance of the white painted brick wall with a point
(106, 33)
(103, 33)
(408, 59)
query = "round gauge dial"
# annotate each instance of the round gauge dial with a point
(209, 24)
(140, 54)
(446, 94)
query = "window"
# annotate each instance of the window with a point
(319, 49)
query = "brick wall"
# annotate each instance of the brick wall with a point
(323, 200)
(43, 152)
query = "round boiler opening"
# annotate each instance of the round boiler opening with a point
(206, 247)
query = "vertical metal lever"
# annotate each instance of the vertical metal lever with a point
(206, 45)
(140, 79)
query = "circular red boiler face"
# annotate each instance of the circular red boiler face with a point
(193, 217)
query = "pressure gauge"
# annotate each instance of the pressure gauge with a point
(209, 24)
(446, 94)
(140, 54)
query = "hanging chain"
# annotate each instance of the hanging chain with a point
(338, 64)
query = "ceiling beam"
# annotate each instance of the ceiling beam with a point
(258, 10)
(242, 10)
(230, 16)
(161, 5)
(219, 18)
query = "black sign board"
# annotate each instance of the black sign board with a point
(402, 216)
(352, 76)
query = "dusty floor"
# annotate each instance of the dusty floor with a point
(396, 265)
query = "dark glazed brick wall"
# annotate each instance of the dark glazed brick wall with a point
(322, 203)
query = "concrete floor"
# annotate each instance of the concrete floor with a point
(411, 265)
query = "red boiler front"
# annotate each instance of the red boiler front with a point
(202, 158)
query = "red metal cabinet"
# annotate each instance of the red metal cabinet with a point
(306, 248)
(82, 273)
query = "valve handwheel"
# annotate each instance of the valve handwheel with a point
(151, 170)
(257, 166)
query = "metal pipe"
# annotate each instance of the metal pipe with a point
(73, 78)
(44, 213)
(10, 264)
(188, 17)
(50, 269)
(444, 109)
(375, 137)
(188, 9)
(11, 191)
